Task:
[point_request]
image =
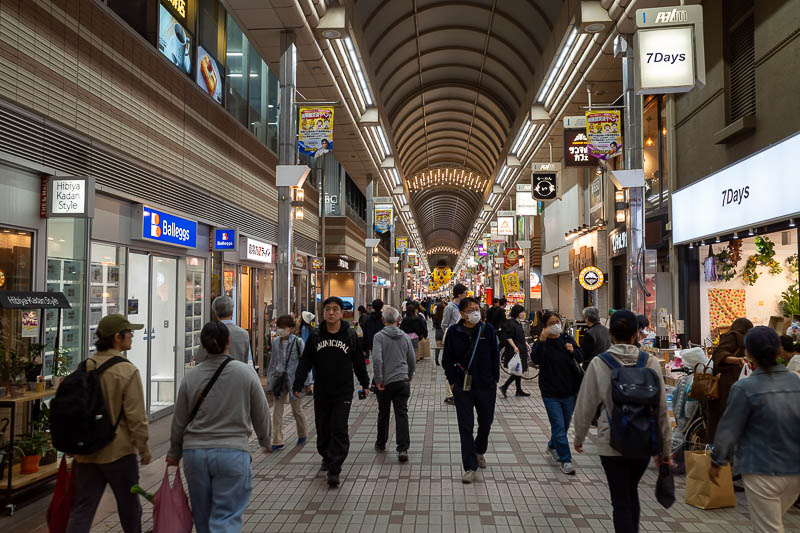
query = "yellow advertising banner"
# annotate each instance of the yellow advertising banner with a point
(511, 282)
(315, 131)
(604, 133)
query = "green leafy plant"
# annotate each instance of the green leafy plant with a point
(61, 362)
(725, 268)
(766, 255)
(35, 443)
(750, 270)
(790, 300)
(792, 264)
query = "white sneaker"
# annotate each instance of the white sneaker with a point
(481, 460)
(553, 454)
(468, 477)
(568, 469)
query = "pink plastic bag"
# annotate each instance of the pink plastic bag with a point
(171, 512)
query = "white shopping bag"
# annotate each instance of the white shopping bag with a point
(745, 371)
(515, 365)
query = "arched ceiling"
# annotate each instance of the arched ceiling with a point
(451, 78)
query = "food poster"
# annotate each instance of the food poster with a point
(30, 324)
(510, 283)
(401, 245)
(511, 258)
(174, 41)
(209, 76)
(315, 131)
(383, 218)
(604, 132)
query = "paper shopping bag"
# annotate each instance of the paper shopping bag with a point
(700, 491)
(171, 512)
(424, 348)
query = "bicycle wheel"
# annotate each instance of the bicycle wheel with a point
(532, 371)
(696, 434)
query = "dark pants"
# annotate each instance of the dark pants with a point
(331, 415)
(482, 401)
(623, 483)
(394, 394)
(513, 379)
(90, 482)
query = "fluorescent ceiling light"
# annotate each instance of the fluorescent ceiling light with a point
(234, 75)
(501, 177)
(520, 136)
(563, 71)
(562, 55)
(384, 142)
(234, 54)
(357, 68)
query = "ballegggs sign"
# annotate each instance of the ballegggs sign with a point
(669, 49)
(71, 197)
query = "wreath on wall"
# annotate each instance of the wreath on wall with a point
(764, 256)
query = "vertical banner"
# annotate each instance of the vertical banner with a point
(511, 257)
(511, 283)
(383, 217)
(401, 245)
(604, 133)
(315, 131)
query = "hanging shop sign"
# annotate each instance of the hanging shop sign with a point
(576, 149)
(341, 263)
(224, 240)
(317, 263)
(618, 241)
(400, 245)
(257, 251)
(544, 185)
(165, 228)
(71, 197)
(505, 225)
(482, 250)
(30, 324)
(669, 49)
(591, 278)
(740, 196)
(383, 217)
(525, 204)
(604, 133)
(510, 258)
(511, 282)
(33, 300)
(315, 131)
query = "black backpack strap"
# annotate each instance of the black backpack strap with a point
(102, 368)
(610, 361)
(210, 384)
(642, 361)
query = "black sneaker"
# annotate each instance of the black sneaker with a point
(380, 448)
(450, 401)
(523, 393)
(503, 391)
(402, 456)
(333, 480)
(323, 467)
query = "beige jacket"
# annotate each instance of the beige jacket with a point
(122, 390)
(596, 391)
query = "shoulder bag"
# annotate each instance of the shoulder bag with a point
(204, 394)
(705, 385)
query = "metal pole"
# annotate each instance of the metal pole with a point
(368, 229)
(633, 160)
(287, 135)
(320, 164)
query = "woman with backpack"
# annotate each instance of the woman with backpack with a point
(516, 344)
(415, 326)
(216, 405)
(559, 359)
(623, 472)
(286, 351)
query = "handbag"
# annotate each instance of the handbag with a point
(705, 385)
(665, 486)
(171, 512)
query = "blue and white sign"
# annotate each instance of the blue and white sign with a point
(165, 228)
(224, 240)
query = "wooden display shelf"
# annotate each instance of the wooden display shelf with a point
(28, 396)
(20, 480)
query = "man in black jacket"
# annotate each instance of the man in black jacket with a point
(373, 325)
(471, 362)
(596, 339)
(332, 351)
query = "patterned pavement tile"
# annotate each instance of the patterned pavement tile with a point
(520, 491)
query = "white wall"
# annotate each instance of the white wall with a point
(761, 299)
(563, 214)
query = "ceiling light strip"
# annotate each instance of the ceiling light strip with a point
(559, 61)
(356, 63)
(565, 68)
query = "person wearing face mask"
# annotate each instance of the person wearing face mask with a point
(515, 336)
(471, 362)
(559, 359)
(285, 355)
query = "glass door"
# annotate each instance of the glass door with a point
(154, 304)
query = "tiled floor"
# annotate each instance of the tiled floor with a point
(521, 490)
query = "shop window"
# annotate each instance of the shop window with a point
(236, 55)
(15, 275)
(106, 282)
(195, 305)
(740, 59)
(655, 153)
(273, 103)
(211, 27)
(66, 272)
(141, 15)
(263, 100)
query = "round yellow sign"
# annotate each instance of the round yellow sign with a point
(591, 278)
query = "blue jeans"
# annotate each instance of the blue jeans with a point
(220, 482)
(559, 412)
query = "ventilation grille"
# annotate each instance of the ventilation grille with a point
(741, 69)
(45, 144)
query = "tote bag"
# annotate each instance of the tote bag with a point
(171, 512)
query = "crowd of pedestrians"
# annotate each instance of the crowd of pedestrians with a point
(222, 401)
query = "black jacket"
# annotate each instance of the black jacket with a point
(515, 332)
(485, 369)
(558, 373)
(334, 358)
(496, 316)
(373, 325)
(595, 341)
(415, 324)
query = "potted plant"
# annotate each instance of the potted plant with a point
(13, 365)
(61, 364)
(31, 447)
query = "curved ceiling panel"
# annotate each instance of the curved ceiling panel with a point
(452, 77)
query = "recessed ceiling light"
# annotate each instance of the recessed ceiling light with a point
(332, 34)
(595, 27)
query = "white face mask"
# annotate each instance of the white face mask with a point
(474, 317)
(555, 329)
(282, 332)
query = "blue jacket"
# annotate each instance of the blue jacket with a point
(485, 369)
(762, 424)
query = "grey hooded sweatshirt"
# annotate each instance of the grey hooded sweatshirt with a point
(596, 391)
(393, 357)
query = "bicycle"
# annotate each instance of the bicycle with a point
(695, 434)
(532, 372)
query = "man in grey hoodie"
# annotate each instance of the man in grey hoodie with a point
(393, 362)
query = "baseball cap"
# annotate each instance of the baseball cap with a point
(308, 317)
(112, 324)
(762, 342)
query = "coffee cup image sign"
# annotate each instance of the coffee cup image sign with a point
(174, 41)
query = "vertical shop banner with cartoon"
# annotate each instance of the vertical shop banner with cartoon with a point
(401, 245)
(315, 132)
(604, 133)
(511, 282)
(383, 218)
(511, 258)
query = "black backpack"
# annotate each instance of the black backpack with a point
(79, 420)
(633, 420)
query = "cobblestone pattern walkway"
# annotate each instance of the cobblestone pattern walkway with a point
(520, 491)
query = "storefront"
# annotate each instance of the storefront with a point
(739, 252)
(557, 283)
(342, 279)
(150, 265)
(617, 268)
(301, 289)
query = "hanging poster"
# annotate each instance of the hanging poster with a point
(482, 250)
(401, 245)
(383, 218)
(505, 225)
(315, 131)
(511, 282)
(511, 257)
(30, 324)
(604, 132)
